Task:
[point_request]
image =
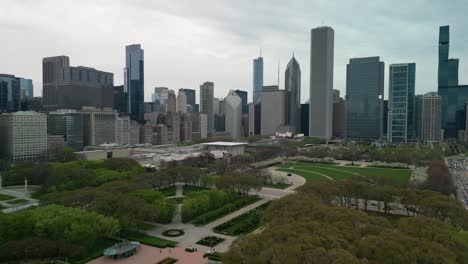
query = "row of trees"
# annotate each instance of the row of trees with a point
(312, 232)
(52, 231)
(358, 194)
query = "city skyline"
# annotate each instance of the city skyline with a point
(227, 61)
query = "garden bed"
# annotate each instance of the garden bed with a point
(210, 241)
(244, 223)
(150, 240)
(4, 197)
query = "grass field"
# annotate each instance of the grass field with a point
(4, 197)
(313, 172)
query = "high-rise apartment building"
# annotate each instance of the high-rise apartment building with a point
(122, 130)
(134, 81)
(321, 82)
(339, 119)
(257, 79)
(206, 102)
(364, 99)
(120, 99)
(292, 83)
(67, 87)
(431, 123)
(23, 135)
(401, 98)
(418, 116)
(10, 93)
(233, 114)
(273, 109)
(186, 127)
(69, 124)
(452, 94)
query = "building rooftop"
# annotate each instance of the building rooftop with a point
(222, 143)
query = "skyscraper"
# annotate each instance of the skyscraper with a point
(10, 94)
(69, 124)
(160, 98)
(181, 102)
(206, 103)
(453, 96)
(171, 102)
(401, 102)
(27, 88)
(321, 82)
(418, 116)
(120, 99)
(272, 110)
(431, 129)
(134, 81)
(244, 96)
(190, 93)
(257, 79)
(292, 83)
(364, 98)
(70, 87)
(233, 114)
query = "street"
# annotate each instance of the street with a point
(459, 171)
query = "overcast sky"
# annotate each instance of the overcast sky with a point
(188, 42)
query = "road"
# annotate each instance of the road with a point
(459, 170)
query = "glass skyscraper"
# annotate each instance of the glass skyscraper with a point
(453, 96)
(364, 98)
(257, 79)
(190, 93)
(292, 83)
(401, 102)
(69, 124)
(134, 81)
(206, 103)
(10, 93)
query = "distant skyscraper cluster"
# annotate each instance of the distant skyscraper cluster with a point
(81, 107)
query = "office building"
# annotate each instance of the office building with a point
(418, 116)
(339, 119)
(336, 96)
(10, 93)
(181, 102)
(23, 135)
(431, 123)
(233, 114)
(120, 100)
(244, 96)
(251, 131)
(135, 132)
(364, 99)
(160, 97)
(54, 145)
(206, 102)
(385, 118)
(173, 127)
(305, 119)
(273, 109)
(161, 135)
(68, 87)
(32, 104)
(98, 126)
(401, 97)
(452, 94)
(257, 79)
(171, 102)
(292, 85)
(26, 88)
(122, 130)
(321, 82)
(146, 134)
(258, 118)
(191, 95)
(134, 81)
(69, 125)
(186, 128)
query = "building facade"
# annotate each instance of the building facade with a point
(134, 81)
(292, 83)
(26, 88)
(273, 110)
(321, 82)
(431, 122)
(257, 79)
(191, 95)
(245, 97)
(364, 99)
(69, 124)
(401, 103)
(171, 102)
(67, 87)
(181, 102)
(339, 119)
(98, 126)
(233, 114)
(206, 102)
(24, 135)
(10, 93)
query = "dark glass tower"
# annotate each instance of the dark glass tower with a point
(364, 98)
(453, 96)
(134, 81)
(293, 94)
(190, 93)
(243, 95)
(257, 79)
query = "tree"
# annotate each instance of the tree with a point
(66, 155)
(439, 178)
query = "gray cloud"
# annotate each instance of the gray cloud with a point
(188, 42)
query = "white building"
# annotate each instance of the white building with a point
(98, 126)
(431, 118)
(233, 112)
(321, 82)
(233, 148)
(23, 135)
(181, 102)
(122, 130)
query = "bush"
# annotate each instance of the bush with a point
(222, 211)
(210, 241)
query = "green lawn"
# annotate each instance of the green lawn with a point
(169, 191)
(150, 240)
(313, 172)
(4, 197)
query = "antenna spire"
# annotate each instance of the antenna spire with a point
(278, 73)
